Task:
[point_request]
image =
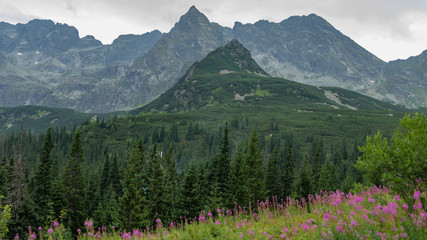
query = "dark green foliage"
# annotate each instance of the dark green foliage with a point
(255, 169)
(105, 176)
(272, 176)
(43, 180)
(4, 176)
(156, 191)
(288, 170)
(238, 188)
(74, 185)
(171, 187)
(316, 170)
(173, 135)
(191, 203)
(131, 211)
(190, 133)
(115, 177)
(220, 170)
(304, 185)
(328, 177)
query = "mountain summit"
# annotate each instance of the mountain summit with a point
(232, 57)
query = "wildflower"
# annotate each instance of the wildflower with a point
(326, 216)
(309, 221)
(270, 237)
(50, 231)
(371, 200)
(305, 227)
(405, 206)
(218, 210)
(314, 226)
(241, 235)
(158, 220)
(33, 236)
(217, 222)
(40, 228)
(55, 224)
(209, 214)
(16, 236)
(324, 234)
(283, 235)
(396, 198)
(354, 223)
(251, 232)
(417, 194)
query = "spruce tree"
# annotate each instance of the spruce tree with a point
(328, 178)
(304, 185)
(288, 170)
(190, 195)
(156, 191)
(238, 189)
(105, 176)
(74, 185)
(43, 180)
(115, 177)
(131, 211)
(255, 169)
(171, 187)
(316, 170)
(272, 176)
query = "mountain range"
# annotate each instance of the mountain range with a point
(43, 63)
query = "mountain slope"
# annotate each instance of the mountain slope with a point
(229, 75)
(48, 64)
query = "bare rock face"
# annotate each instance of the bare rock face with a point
(46, 63)
(43, 63)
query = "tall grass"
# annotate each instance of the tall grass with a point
(371, 214)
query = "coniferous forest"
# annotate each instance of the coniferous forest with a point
(66, 176)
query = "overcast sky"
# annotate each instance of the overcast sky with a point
(390, 29)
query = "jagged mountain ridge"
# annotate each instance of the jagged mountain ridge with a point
(306, 49)
(229, 76)
(48, 64)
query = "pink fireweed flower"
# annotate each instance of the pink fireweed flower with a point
(209, 214)
(33, 236)
(371, 200)
(218, 210)
(283, 235)
(314, 226)
(396, 198)
(309, 221)
(354, 223)
(359, 208)
(305, 227)
(417, 194)
(16, 236)
(40, 228)
(405, 206)
(50, 231)
(217, 222)
(55, 223)
(326, 216)
(241, 235)
(251, 232)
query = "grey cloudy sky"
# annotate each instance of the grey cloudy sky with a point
(390, 29)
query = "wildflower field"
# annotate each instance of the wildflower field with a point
(374, 213)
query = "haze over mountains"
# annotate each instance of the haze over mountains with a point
(42, 63)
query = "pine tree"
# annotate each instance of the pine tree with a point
(272, 177)
(288, 172)
(74, 185)
(255, 169)
(131, 212)
(162, 134)
(190, 133)
(4, 176)
(43, 180)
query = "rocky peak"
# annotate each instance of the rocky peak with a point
(192, 18)
(232, 57)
